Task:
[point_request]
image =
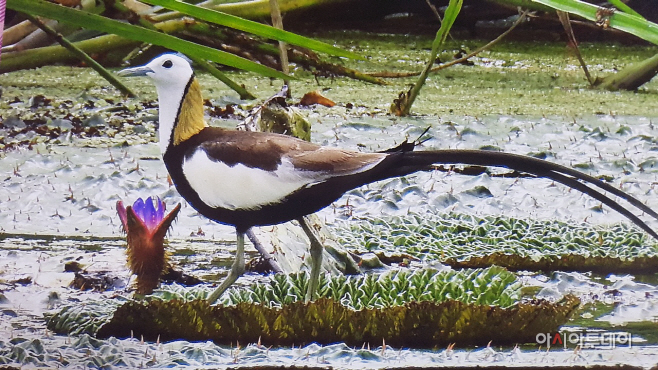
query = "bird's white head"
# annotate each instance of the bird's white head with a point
(179, 96)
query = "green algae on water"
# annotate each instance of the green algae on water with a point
(521, 78)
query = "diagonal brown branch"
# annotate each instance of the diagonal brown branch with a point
(566, 23)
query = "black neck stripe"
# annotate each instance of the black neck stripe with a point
(180, 106)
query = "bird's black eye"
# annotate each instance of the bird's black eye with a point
(167, 64)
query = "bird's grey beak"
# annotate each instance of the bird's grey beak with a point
(137, 71)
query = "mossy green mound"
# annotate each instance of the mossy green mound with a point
(417, 324)
(491, 286)
(468, 241)
(424, 308)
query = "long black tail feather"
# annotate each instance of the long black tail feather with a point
(415, 160)
(575, 184)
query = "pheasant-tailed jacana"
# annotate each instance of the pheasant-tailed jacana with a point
(250, 179)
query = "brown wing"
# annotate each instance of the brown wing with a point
(334, 160)
(267, 150)
(252, 149)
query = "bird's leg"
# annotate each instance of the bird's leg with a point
(316, 259)
(236, 271)
(274, 266)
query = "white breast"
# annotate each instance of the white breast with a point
(242, 187)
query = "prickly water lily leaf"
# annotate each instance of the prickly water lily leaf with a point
(491, 286)
(422, 308)
(418, 324)
(571, 262)
(468, 241)
(83, 318)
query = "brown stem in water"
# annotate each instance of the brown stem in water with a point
(277, 22)
(566, 23)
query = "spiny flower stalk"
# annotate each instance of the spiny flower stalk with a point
(146, 225)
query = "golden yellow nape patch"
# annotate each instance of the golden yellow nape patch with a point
(190, 119)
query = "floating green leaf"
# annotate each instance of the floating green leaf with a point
(422, 308)
(83, 318)
(417, 324)
(468, 241)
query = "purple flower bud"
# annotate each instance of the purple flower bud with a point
(151, 211)
(146, 226)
